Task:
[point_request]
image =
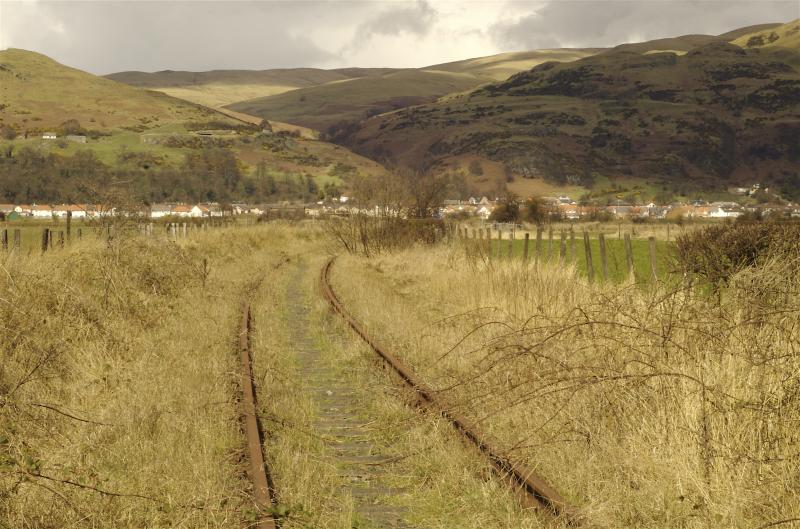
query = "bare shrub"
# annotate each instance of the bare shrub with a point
(367, 235)
(716, 253)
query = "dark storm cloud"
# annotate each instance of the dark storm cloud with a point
(112, 36)
(603, 23)
(104, 36)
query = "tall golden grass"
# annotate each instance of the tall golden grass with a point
(118, 382)
(647, 407)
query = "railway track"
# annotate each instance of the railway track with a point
(257, 469)
(533, 489)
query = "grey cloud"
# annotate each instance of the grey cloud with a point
(416, 19)
(104, 37)
(603, 23)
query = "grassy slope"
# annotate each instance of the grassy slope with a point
(321, 106)
(615, 114)
(222, 87)
(785, 35)
(501, 66)
(39, 93)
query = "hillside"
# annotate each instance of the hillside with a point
(716, 115)
(785, 36)
(332, 104)
(222, 87)
(38, 93)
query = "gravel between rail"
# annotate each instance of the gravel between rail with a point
(342, 421)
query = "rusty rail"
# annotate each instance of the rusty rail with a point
(535, 491)
(258, 468)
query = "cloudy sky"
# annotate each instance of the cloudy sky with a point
(109, 36)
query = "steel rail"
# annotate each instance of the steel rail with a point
(258, 468)
(534, 489)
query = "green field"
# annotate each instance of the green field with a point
(615, 256)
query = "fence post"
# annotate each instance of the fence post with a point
(629, 255)
(5, 240)
(50, 238)
(17, 237)
(601, 240)
(550, 244)
(525, 247)
(538, 243)
(510, 244)
(588, 249)
(61, 239)
(45, 239)
(571, 244)
(652, 243)
(80, 233)
(69, 224)
(563, 251)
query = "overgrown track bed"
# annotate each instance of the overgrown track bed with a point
(258, 472)
(533, 488)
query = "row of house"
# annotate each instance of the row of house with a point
(46, 211)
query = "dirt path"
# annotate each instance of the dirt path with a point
(343, 420)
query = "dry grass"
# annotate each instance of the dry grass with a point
(446, 484)
(118, 384)
(647, 408)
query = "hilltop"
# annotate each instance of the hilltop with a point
(715, 115)
(217, 88)
(38, 93)
(335, 103)
(783, 35)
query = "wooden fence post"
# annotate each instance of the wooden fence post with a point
(61, 239)
(629, 255)
(572, 255)
(525, 247)
(5, 240)
(69, 224)
(601, 240)
(538, 243)
(80, 233)
(45, 239)
(510, 244)
(550, 244)
(588, 249)
(652, 243)
(17, 239)
(563, 252)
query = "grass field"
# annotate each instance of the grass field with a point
(615, 254)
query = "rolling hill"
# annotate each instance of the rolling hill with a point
(784, 35)
(717, 115)
(38, 93)
(217, 88)
(331, 104)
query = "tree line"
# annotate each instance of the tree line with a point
(29, 175)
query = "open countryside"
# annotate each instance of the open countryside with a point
(407, 265)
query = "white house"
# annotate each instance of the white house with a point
(181, 210)
(62, 211)
(41, 212)
(49, 136)
(723, 212)
(160, 210)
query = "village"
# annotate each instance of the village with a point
(561, 208)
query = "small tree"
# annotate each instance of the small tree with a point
(72, 126)
(507, 210)
(475, 168)
(8, 132)
(535, 210)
